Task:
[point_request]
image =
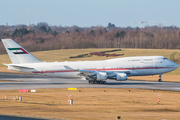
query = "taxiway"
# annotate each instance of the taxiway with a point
(24, 81)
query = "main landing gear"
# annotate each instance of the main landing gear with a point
(97, 82)
(160, 80)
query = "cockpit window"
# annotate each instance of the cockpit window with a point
(165, 59)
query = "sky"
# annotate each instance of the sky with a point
(87, 13)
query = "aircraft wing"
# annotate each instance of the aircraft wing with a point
(69, 68)
(100, 75)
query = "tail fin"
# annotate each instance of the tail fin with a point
(18, 54)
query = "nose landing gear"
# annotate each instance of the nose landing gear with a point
(160, 80)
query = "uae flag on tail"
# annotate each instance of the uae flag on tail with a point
(18, 50)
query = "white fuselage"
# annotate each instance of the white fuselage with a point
(93, 71)
(132, 66)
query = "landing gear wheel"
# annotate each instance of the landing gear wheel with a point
(159, 80)
(97, 82)
(91, 82)
(104, 82)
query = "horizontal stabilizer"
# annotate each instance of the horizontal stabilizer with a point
(5, 64)
(20, 67)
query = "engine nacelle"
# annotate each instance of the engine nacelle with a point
(121, 76)
(101, 76)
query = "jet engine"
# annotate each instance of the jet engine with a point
(101, 76)
(121, 76)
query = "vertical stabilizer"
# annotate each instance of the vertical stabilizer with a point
(18, 54)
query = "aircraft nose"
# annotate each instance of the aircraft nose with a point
(177, 65)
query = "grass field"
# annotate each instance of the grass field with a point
(94, 104)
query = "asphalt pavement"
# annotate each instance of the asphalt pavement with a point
(24, 81)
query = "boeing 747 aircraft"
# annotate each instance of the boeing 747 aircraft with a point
(94, 71)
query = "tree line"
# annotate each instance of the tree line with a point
(42, 37)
